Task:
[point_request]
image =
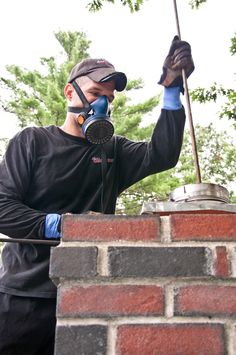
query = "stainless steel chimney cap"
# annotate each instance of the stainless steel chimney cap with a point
(199, 192)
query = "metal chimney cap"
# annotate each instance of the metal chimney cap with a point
(198, 192)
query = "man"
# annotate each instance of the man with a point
(75, 168)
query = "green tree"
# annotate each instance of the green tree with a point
(217, 92)
(216, 150)
(133, 5)
(37, 96)
(196, 3)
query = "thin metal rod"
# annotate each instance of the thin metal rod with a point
(190, 117)
(30, 241)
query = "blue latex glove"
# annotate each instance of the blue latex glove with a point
(52, 222)
(171, 98)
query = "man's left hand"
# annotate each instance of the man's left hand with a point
(178, 58)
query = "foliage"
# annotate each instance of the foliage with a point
(37, 96)
(233, 45)
(216, 151)
(214, 93)
(154, 187)
(196, 3)
(127, 118)
(134, 5)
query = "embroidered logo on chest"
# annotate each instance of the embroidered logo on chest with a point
(98, 160)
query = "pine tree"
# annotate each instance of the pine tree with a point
(216, 150)
(37, 96)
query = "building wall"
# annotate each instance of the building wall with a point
(146, 284)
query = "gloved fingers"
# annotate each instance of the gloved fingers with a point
(182, 58)
(181, 49)
(181, 61)
(180, 53)
(188, 69)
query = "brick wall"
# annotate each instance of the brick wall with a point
(148, 285)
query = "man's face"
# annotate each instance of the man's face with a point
(92, 91)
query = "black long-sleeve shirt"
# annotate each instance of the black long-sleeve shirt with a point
(46, 170)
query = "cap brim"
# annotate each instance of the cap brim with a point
(105, 74)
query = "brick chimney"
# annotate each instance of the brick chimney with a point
(145, 285)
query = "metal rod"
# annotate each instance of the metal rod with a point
(30, 241)
(190, 117)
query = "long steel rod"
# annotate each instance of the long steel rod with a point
(30, 241)
(190, 117)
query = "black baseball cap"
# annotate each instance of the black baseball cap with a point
(99, 70)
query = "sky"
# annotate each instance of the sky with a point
(135, 43)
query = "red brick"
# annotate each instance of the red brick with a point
(206, 300)
(221, 263)
(110, 227)
(111, 300)
(166, 339)
(203, 227)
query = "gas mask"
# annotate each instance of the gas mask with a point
(93, 118)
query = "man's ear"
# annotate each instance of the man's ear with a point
(68, 91)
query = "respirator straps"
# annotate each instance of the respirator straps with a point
(86, 105)
(81, 95)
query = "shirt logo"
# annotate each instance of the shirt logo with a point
(98, 160)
